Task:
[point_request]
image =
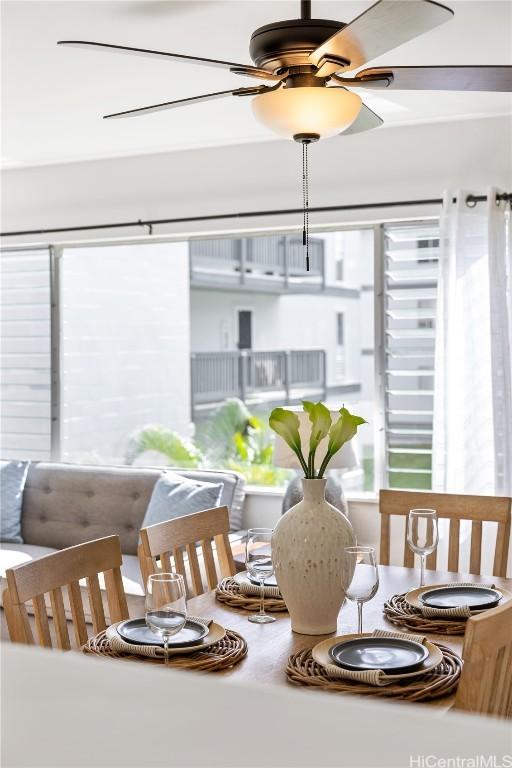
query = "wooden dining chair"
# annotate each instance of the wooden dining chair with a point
(48, 575)
(176, 542)
(454, 507)
(485, 684)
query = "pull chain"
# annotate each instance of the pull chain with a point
(305, 201)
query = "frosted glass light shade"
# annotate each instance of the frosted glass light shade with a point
(307, 110)
(285, 457)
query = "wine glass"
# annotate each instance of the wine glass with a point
(258, 561)
(363, 585)
(422, 535)
(166, 606)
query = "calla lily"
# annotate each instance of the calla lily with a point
(340, 433)
(286, 425)
(320, 419)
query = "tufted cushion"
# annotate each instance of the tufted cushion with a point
(67, 504)
(70, 504)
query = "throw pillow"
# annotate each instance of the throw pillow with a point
(12, 482)
(175, 496)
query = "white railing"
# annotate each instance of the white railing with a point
(216, 376)
(275, 258)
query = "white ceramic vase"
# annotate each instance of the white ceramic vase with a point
(308, 554)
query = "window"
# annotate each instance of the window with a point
(175, 353)
(311, 338)
(124, 347)
(340, 330)
(339, 268)
(25, 361)
(411, 255)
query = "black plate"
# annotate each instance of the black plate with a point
(387, 653)
(270, 582)
(136, 631)
(475, 598)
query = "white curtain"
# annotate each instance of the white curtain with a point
(472, 441)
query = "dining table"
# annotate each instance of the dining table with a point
(270, 645)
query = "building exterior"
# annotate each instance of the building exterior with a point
(262, 313)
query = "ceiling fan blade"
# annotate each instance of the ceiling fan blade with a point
(457, 78)
(384, 26)
(365, 121)
(182, 102)
(239, 69)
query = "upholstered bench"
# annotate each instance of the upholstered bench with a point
(67, 504)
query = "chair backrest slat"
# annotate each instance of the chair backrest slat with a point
(59, 619)
(188, 533)
(385, 538)
(475, 557)
(48, 575)
(179, 561)
(195, 572)
(116, 598)
(225, 554)
(42, 623)
(454, 507)
(77, 613)
(485, 684)
(165, 562)
(96, 603)
(209, 563)
(408, 553)
(501, 551)
(453, 545)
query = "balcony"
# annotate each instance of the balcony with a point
(272, 377)
(273, 264)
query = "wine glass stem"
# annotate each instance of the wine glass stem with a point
(359, 616)
(166, 655)
(422, 572)
(262, 598)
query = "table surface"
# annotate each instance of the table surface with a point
(270, 645)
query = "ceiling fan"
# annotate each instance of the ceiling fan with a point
(306, 94)
(304, 63)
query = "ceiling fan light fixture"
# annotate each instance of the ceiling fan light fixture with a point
(320, 112)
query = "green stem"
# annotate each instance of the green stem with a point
(300, 457)
(323, 466)
(311, 465)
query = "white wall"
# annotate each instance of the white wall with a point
(401, 163)
(300, 321)
(124, 346)
(262, 507)
(214, 320)
(279, 322)
(309, 322)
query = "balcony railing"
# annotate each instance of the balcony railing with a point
(282, 374)
(275, 262)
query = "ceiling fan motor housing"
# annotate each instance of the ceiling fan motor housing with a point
(288, 43)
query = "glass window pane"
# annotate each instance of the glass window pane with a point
(25, 359)
(124, 346)
(311, 338)
(410, 282)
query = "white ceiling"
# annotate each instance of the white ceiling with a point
(53, 98)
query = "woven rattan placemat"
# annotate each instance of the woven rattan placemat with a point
(398, 611)
(224, 654)
(302, 669)
(228, 592)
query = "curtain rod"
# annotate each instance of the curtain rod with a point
(471, 200)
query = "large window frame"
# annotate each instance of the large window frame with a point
(379, 401)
